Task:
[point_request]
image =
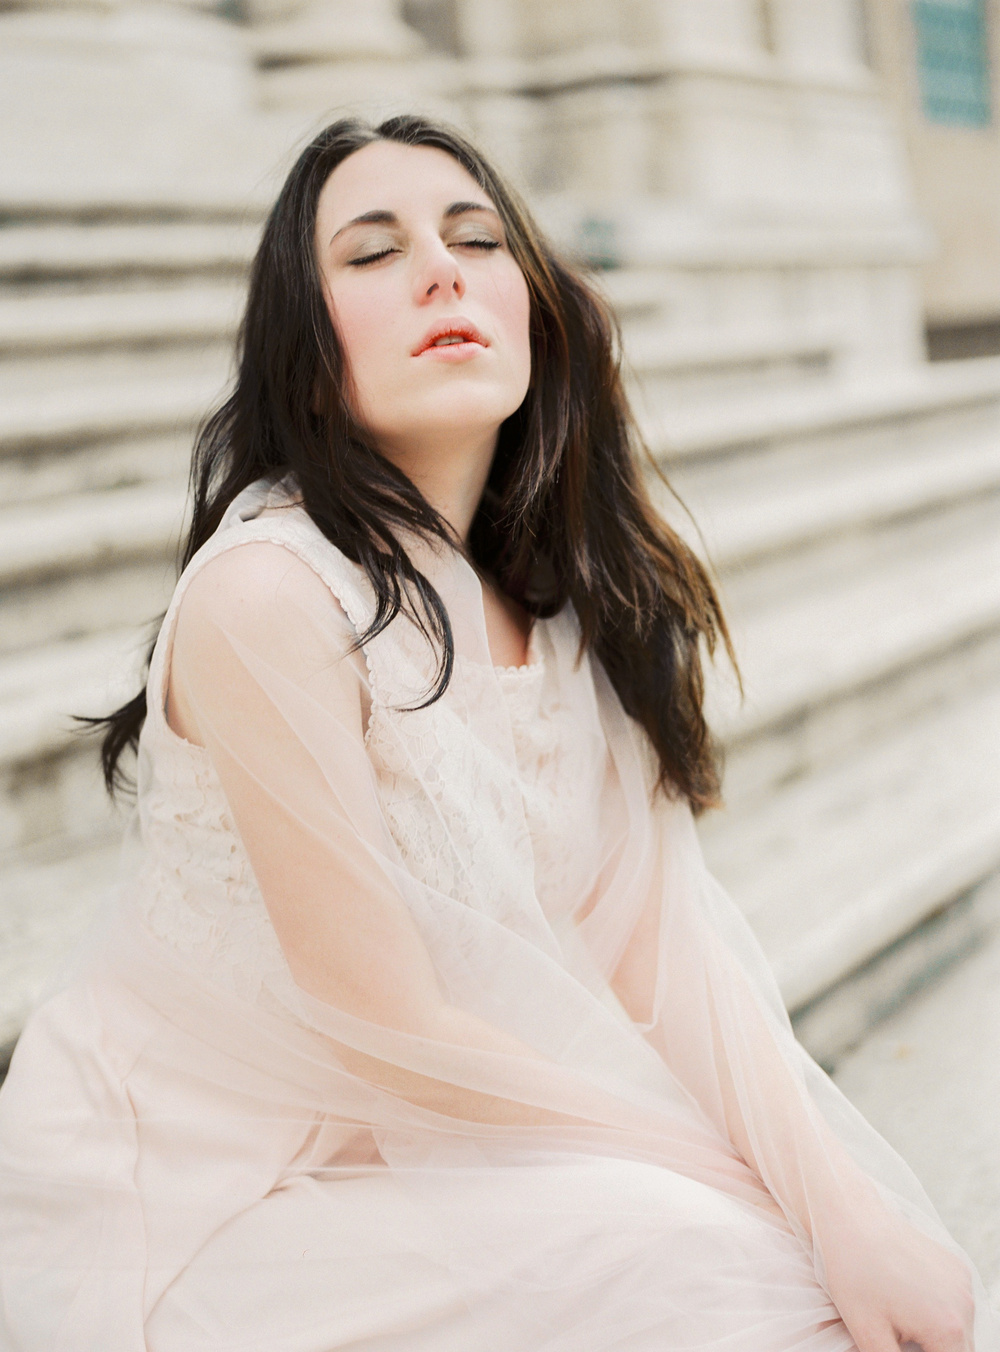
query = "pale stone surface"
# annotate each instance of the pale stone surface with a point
(55, 472)
(838, 864)
(60, 250)
(320, 32)
(818, 35)
(131, 587)
(175, 314)
(329, 57)
(65, 537)
(46, 908)
(837, 407)
(804, 494)
(955, 170)
(929, 1080)
(843, 1018)
(861, 608)
(140, 103)
(79, 397)
(41, 688)
(714, 26)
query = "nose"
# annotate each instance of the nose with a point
(438, 273)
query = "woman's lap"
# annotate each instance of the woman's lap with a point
(584, 1256)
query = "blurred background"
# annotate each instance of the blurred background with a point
(794, 206)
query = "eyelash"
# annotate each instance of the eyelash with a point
(488, 244)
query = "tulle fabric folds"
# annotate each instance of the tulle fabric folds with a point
(476, 1055)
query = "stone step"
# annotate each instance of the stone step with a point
(42, 688)
(844, 1016)
(51, 795)
(775, 500)
(829, 871)
(827, 666)
(44, 474)
(834, 866)
(55, 400)
(928, 1079)
(96, 528)
(43, 322)
(746, 511)
(69, 401)
(854, 637)
(666, 366)
(639, 296)
(846, 831)
(863, 611)
(59, 250)
(958, 592)
(819, 409)
(654, 348)
(853, 613)
(48, 902)
(131, 591)
(66, 402)
(86, 563)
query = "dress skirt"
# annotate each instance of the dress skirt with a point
(222, 1236)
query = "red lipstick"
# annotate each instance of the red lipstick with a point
(450, 333)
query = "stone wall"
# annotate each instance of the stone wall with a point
(954, 149)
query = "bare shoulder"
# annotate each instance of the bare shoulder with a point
(262, 596)
(256, 602)
(256, 580)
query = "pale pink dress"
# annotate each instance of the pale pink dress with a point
(195, 1155)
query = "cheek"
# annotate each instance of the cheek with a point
(514, 320)
(361, 324)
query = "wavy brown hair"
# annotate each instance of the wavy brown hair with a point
(565, 516)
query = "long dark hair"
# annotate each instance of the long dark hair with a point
(565, 515)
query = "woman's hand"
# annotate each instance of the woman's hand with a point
(892, 1285)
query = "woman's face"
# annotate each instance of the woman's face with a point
(431, 309)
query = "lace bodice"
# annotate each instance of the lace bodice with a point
(461, 823)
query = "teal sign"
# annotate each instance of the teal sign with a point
(953, 61)
(598, 242)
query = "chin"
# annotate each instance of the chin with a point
(454, 412)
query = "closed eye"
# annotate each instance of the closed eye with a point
(371, 258)
(488, 244)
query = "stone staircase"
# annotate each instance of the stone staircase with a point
(853, 522)
(851, 516)
(115, 338)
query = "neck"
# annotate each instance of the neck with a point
(450, 473)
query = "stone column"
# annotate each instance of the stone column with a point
(655, 131)
(324, 57)
(818, 35)
(739, 28)
(105, 101)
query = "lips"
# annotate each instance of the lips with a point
(456, 330)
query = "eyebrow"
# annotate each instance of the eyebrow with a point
(380, 216)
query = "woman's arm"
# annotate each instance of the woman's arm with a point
(262, 676)
(890, 1283)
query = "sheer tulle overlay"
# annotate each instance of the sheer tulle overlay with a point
(413, 1028)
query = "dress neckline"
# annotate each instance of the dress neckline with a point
(535, 662)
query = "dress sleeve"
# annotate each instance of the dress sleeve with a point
(692, 976)
(263, 673)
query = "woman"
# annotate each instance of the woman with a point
(420, 1024)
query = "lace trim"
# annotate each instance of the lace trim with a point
(536, 660)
